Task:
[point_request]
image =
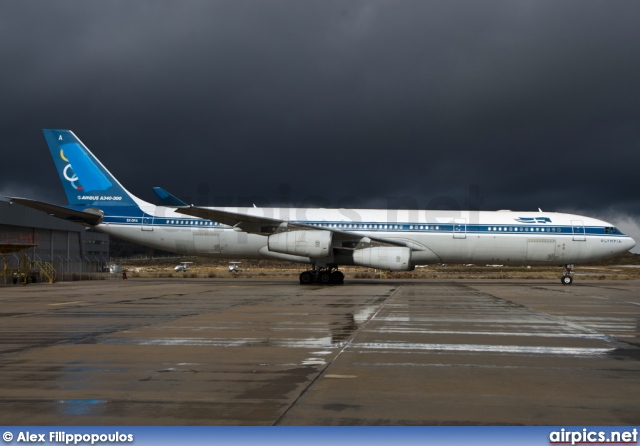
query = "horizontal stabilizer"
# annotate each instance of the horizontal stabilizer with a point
(90, 217)
(166, 199)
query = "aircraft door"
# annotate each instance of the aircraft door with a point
(578, 231)
(459, 228)
(147, 222)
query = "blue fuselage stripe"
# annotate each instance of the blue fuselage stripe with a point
(405, 227)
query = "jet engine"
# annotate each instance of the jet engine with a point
(389, 258)
(302, 243)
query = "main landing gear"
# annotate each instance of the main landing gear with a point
(323, 276)
(566, 275)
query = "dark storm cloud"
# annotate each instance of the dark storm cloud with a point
(359, 103)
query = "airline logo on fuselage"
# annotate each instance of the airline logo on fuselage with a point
(533, 220)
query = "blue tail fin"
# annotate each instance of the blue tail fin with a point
(85, 180)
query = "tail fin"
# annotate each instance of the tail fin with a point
(85, 180)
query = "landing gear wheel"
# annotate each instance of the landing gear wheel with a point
(337, 277)
(325, 278)
(306, 278)
(567, 280)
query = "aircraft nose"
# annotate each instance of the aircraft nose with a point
(629, 243)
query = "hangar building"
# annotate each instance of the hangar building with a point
(34, 240)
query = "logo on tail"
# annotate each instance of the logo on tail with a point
(79, 163)
(85, 180)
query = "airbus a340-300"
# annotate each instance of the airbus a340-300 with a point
(395, 240)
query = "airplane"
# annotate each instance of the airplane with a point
(394, 240)
(234, 267)
(183, 267)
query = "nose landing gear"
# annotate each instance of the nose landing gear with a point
(566, 278)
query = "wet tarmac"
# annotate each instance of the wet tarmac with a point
(272, 352)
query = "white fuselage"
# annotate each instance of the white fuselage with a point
(504, 237)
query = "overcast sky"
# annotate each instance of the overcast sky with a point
(492, 104)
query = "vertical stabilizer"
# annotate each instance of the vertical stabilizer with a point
(85, 180)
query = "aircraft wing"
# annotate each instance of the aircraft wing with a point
(267, 226)
(247, 223)
(90, 217)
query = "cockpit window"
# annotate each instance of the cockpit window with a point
(611, 230)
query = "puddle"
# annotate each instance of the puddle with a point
(322, 342)
(622, 354)
(81, 407)
(477, 348)
(340, 407)
(314, 361)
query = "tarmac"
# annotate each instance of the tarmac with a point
(273, 352)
